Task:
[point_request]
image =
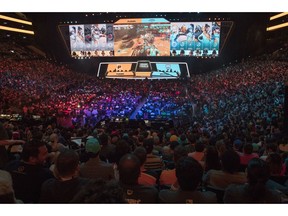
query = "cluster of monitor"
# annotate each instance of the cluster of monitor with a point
(143, 69)
(145, 37)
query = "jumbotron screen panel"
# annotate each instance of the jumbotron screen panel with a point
(92, 40)
(145, 37)
(195, 38)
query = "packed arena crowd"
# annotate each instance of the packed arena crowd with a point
(231, 121)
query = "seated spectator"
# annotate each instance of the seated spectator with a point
(168, 177)
(221, 179)
(95, 168)
(107, 148)
(100, 191)
(146, 177)
(270, 148)
(247, 154)
(255, 191)
(67, 183)
(6, 188)
(153, 162)
(211, 159)
(167, 155)
(4, 141)
(29, 173)
(129, 172)
(199, 152)
(55, 145)
(189, 173)
(277, 169)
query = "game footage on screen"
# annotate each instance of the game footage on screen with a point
(142, 40)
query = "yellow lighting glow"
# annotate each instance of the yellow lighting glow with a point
(278, 15)
(277, 26)
(16, 30)
(15, 20)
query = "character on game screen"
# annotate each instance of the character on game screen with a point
(80, 35)
(138, 48)
(198, 32)
(153, 51)
(205, 36)
(183, 29)
(174, 32)
(190, 33)
(215, 35)
(73, 37)
(95, 34)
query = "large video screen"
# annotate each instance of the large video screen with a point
(145, 37)
(195, 38)
(142, 39)
(91, 40)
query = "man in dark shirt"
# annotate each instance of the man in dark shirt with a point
(189, 173)
(67, 183)
(129, 171)
(29, 173)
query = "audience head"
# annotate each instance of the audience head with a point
(148, 144)
(6, 188)
(257, 175)
(248, 148)
(141, 153)
(230, 161)
(100, 191)
(92, 147)
(67, 165)
(274, 162)
(129, 169)
(212, 160)
(104, 139)
(189, 173)
(199, 147)
(179, 152)
(34, 152)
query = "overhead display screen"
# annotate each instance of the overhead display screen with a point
(195, 38)
(92, 40)
(145, 37)
(142, 37)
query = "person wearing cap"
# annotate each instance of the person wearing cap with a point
(94, 167)
(66, 183)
